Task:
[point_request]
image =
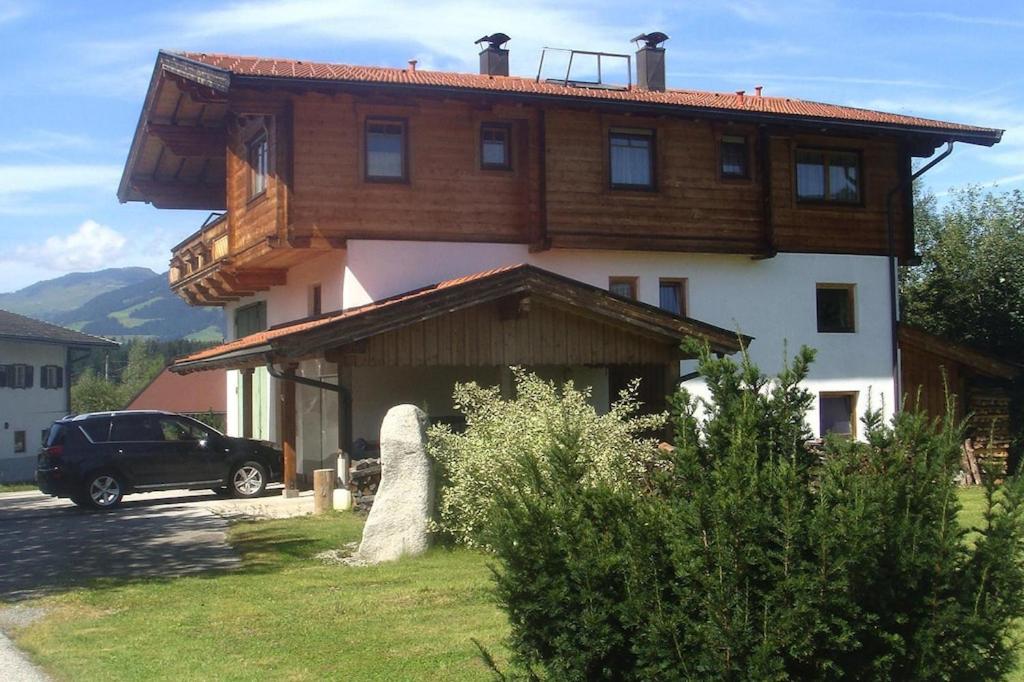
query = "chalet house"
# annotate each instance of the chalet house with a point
(379, 233)
(35, 387)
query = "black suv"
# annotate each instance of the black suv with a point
(96, 459)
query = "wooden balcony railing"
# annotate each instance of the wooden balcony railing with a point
(204, 272)
(201, 249)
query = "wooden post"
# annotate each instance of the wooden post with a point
(247, 402)
(288, 435)
(323, 490)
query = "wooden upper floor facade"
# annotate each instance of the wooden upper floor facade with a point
(309, 156)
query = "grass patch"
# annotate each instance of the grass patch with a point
(283, 615)
(17, 487)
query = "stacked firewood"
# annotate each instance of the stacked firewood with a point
(364, 479)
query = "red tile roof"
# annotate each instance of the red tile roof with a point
(265, 337)
(252, 345)
(186, 394)
(783, 106)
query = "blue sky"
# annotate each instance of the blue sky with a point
(75, 74)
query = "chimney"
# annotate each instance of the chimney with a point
(494, 58)
(650, 61)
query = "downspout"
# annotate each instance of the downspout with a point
(344, 410)
(894, 300)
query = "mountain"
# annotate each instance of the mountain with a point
(49, 297)
(121, 302)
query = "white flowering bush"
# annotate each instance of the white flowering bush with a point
(615, 448)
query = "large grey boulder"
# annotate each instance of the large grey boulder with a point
(402, 509)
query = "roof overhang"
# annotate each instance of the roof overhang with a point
(981, 363)
(178, 154)
(315, 336)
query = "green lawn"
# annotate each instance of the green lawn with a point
(17, 487)
(282, 616)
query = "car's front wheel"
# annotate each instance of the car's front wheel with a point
(249, 479)
(103, 490)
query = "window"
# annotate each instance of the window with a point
(623, 286)
(177, 430)
(733, 156)
(837, 413)
(97, 430)
(385, 151)
(494, 146)
(137, 428)
(631, 159)
(315, 300)
(672, 296)
(835, 308)
(828, 175)
(51, 376)
(258, 165)
(19, 441)
(19, 376)
(250, 319)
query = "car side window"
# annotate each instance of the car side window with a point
(179, 430)
(139, 428)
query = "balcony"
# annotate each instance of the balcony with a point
(204, 273)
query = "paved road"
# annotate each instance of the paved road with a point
(47, 545)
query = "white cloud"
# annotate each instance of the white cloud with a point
(89, 247)
(9, 11)
(21, 179)
(445, 29)
(42, 141)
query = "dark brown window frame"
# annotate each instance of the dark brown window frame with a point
(632, 281)
(22, 435)
(634, 133)
(260, 138)
(683, 289)
(507, 129)
(386, 179)
(747, 148)
(316, 299)
(851, 293)
(853, 411)
(826, 201)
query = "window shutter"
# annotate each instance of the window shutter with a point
(42, 376)
(60, 377)
(4, 373)
(28, 376)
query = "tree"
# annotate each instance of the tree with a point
(93, 393)
(751, 555)
(142, 368)
(970, 285)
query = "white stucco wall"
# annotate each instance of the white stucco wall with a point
(772, 300)
(28, 409)
(289, 301)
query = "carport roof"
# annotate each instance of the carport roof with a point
(306, 337)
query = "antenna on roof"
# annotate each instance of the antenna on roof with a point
(653, 39)
(495, 40)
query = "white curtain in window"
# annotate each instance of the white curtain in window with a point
(384, 155)
(631, 161)
(810, 180)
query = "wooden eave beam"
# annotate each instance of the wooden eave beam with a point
(179, 194)
(190, 141)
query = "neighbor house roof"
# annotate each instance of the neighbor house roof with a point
(273, 68)
(982, 363)
(301, 337)
(186, 394)
(21, 328)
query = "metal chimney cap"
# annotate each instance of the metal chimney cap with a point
(653, 39)
(495, 40)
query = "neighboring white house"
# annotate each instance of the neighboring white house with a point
(379, 234)
(35, 360)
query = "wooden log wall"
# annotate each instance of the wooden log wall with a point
(483, 336)
(989, 427)
(557, 192)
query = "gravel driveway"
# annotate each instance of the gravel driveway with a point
(50, 544)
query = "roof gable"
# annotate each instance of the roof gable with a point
(21, 328)
(303, 337)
